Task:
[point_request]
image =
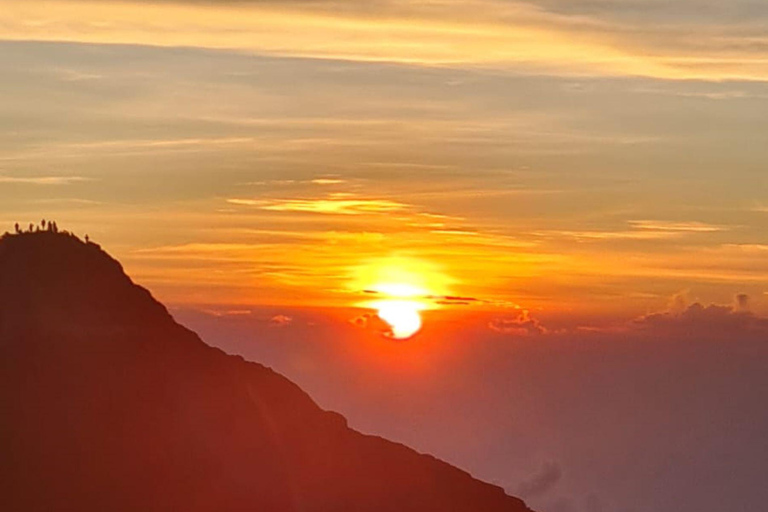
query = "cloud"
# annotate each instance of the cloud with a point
(443, 300)
(491, 33)
(227, 312)
(642, 230)
(541, 482)
(450, 300)
(674, 227)
(611, 235)
(341, 204)
(520, 325)
(280, 321)
(680, 302)
(43, 180)
(643, 11)
(699, 322)
(315, 181)
(328, 181)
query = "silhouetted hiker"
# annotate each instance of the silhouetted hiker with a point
(18, 229)
(87, 239)
(31, 227)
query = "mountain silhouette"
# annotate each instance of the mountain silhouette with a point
(107, 404)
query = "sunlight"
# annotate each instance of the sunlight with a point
(402, 316)
(401, 277)
(404, 287)
(399, 290)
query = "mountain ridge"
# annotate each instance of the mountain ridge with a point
(111, 403)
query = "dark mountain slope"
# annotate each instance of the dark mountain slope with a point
(107, 404)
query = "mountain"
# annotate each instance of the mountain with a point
(107, 404)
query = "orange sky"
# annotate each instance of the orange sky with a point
(574, 193)
(551, 155)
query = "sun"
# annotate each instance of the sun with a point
(402, 316)
(403, 289)
(400, 309)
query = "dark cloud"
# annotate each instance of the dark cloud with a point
(541, 482)
(453, 298)
(442, 300)
(453, 303)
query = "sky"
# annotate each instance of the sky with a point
(591, 157)
(560, 179)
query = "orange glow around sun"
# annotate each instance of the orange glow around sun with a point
(404, 286)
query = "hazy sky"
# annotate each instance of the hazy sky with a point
(588, 177)
(666, 416)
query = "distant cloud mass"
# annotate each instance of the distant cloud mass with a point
(674, 394)
(699, 322)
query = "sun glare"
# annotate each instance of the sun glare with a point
(402, 316)
(399, 290)
(400, 310)
(404, 287)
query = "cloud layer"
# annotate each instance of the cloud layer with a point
(597, 38)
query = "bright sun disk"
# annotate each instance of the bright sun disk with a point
(401, 315)
(403, 287)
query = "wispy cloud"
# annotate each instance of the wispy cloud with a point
(490, 33)
(675, 227)
(639, 230)
(609, 235)
(339, 205)
(43, 180)
(328, 181)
